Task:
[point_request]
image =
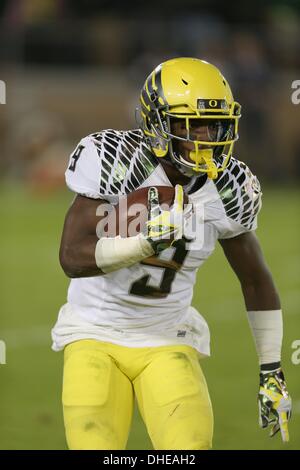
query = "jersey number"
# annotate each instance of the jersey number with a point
(75, 157)
(141, 288)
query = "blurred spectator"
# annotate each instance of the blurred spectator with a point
(19, 13)
(39, 141)
(251, 76)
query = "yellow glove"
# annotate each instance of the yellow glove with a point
(164, 226)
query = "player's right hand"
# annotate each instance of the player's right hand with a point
(164, 226)
(274, 402)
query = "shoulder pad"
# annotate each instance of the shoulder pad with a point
(125, 160)
(240, 193)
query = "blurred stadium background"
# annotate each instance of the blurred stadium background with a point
(74, 67)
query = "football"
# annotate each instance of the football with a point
(130, 215)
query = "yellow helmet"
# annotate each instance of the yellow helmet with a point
(190, 89)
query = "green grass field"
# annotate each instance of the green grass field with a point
(33, 287)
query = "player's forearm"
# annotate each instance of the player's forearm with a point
(95, 257)
(267, 330)
(261, 294)
(78, 259)
(265, 319)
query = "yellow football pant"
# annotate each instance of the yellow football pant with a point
(101, 379)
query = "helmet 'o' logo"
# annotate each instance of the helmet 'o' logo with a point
(213, 103)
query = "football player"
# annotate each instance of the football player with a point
(128, 328)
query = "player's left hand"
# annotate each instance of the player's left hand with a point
(274, 403)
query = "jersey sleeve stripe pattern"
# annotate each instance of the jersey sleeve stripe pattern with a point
(126, 161)
(240, 193)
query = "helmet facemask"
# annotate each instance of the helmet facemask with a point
(202, 144)
(209, 156)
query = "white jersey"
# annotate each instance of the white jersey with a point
(145, 304)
